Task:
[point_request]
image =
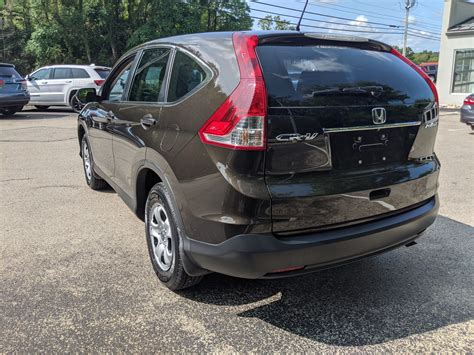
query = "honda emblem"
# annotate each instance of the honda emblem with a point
(379, 115)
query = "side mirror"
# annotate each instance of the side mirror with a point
(87, 95)
(28, 77)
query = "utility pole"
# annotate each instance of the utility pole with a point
(408, 5)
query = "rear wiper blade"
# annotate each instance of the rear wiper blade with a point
(364, 89)
(373, 90)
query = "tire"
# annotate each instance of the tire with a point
(9, 111)
(163, 240)
(42, 108)
(94, 182)
(75, 104)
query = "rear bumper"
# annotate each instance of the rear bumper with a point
(14, 100)
(255, 256)
(467, 115)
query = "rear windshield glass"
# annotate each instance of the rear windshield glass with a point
(9, 73)
(335, 76)
(103, 73)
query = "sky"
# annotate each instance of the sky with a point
(371, 16)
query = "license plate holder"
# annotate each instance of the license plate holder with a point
(356, 149)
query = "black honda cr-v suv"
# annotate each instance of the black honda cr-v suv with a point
(265, 154)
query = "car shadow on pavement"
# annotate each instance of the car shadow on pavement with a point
(401, 293)
(35, 114)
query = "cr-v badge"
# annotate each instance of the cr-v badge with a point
(379, 115)
(296, 137)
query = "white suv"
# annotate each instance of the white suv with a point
(56, 85)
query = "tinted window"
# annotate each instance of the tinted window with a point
(9, 72)
(78, 73)
(148, 80)
(119, 82)
(41, 74)
(338, 76)
(185, 76)
(103, 73)
(62, 73)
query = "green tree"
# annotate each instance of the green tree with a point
(40, 32)
(274, 23)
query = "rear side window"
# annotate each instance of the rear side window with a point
(9, 72)
(62, 73)
(150, 73)
(103, 73)
(78, 73)
(41, 74)
(338, 76)
(186, 75)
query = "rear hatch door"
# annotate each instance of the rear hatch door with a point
(343, 118)
(10, 82)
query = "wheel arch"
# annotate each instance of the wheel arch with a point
(80, 134)
(147, 177)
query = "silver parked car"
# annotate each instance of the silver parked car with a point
(56, 85)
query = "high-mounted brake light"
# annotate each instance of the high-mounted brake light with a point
(99, 82)
(419, 71)
(239, 123)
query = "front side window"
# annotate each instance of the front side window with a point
(148, 81)
(119, 81)
(41, 74)
(186, 75)
(62, 73)
(463, 76)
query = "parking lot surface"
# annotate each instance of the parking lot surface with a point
(76, 276)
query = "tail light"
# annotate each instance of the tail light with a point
(99, 82)
(419, 71)
(2, 82)
(469, 100)
(23, 85)
(240, 123)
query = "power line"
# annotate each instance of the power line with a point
(331, 16)
(324, 15)
(326, 28)
(311, 19)
(375, 14)
(427, 36)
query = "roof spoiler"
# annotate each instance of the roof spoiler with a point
(313, 38)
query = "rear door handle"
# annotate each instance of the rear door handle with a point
(148, 121)
(68, 81)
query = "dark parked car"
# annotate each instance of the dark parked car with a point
(13, 92)
(467, 111)
(431, 69)
(265, 154)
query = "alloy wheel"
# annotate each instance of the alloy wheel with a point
(87, 160)
(160, 237)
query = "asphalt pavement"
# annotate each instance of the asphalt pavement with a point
(76, 276)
